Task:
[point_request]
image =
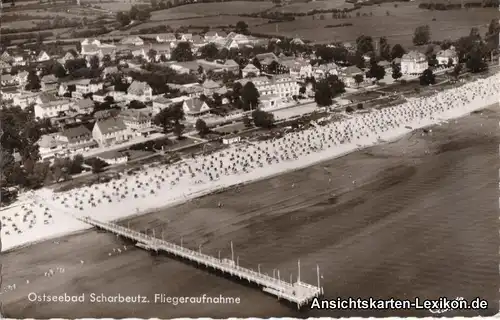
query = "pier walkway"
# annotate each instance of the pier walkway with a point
(299, 293)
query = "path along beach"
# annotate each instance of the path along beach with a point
(414, 217)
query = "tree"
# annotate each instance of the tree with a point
(163, 58)
(250, 96)
(167, 117)
(75, 64)
(323, 94)
(475, 61)
(493, 34)
(123, 18)
(94, 62)
(302, 90)
(135, 104)
(179, 129)
(376, 71)
(133, 13)
(385, 49)
(358, 79)
(33, 82)
(98, 165)
(241, 27)
(209, 52)
(432, 60)
(364, 44)
(106, 60)
(427, 78)
(397, 51)
(456, 70)
(422, 35)
(263, 119)
(58, 70)
(201, 127)
(152, 55)
(182, 52)
(247, 121)
(396, 71)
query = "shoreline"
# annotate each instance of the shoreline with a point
(304, 162)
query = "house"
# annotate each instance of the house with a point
(186, 37)
(7, 80)
(18, 60)
(25, 99)
(140, 91)
(444, 57)
(197, 41)
(21, 78)
(161, 103)
(298, 68)
(6, 57)
(42, 56)
(50, 146)
(209, 87)
(108, 71)
(132, 40)
(297, 42)
(68, 56)
(194, 108)
(168, 37)
(266, 60)
(162, 50)
(86, 86)
(280, 85)
(347, 76)
(213, 36)
(49, 83)
(136, 120)
(269, 102)
(231, 44)
(77, 139)
(231, 139)
(113, 157)
(9, 93)
(52, 109)
(106, 50)
(110, 131)
(238, 38)
(84, 106)
(324, 70)
(5, 66)
(414, 63)
(250, 70)
(90, 41)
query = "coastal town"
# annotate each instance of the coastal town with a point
(111, 127)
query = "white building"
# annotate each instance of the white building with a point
(250, 69)
(77, 139)
(444, 56)
(161, 103)
(25, 99)
(280, 85)
(299, 68)
(194, 108)
(414, 63)
(348, 76)
(50, 146)
(132, 40)
(110, 131)
(113, 157)
(140, 91)
(136, 120)
(85, 86)
(52, 109)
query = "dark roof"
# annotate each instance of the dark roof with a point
(110, 125)
(77, 133)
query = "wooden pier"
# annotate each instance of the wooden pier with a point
(299, 293)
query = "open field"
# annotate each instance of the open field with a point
(115, 6)
(304, 7)
(202, 22)
(398, 27)
(206, 9)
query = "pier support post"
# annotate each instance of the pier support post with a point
(258, 268)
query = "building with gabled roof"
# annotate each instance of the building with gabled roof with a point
(137, 120)
(84, 106)
(194, 108)
(414, 62)
(445, 56)
(78, 139)
(42, 56)
(52, 108)
(167, 37)
(250, 70)
(110, 131)
(132, 40)
(140, 91)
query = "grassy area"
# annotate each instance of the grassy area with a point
(398, 26)
(207, 9)
(116, 6)
(202, 22)
(304, 7)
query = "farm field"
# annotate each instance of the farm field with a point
(304, 7)
(398, 26)
(213, 22)
(215, 8)
(115, 6)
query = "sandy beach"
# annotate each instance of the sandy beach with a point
(416, 217)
